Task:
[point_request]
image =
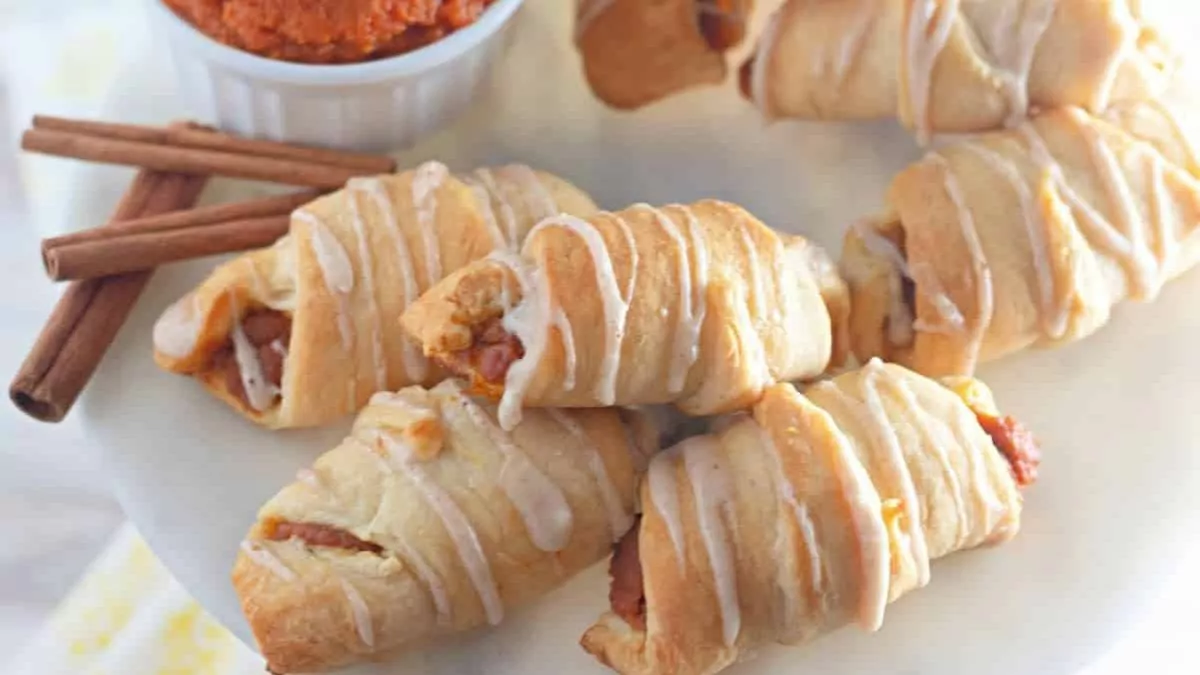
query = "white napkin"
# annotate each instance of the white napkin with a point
(61, 58)
(128, 615)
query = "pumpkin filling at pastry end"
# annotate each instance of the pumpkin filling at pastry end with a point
(316, 534)
(1016, 442)
(267, 333)
(627, 593)
(493, 350)
(721, 22)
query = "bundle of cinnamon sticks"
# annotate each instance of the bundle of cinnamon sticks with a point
(156, 222)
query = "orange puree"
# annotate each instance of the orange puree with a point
(328, 31)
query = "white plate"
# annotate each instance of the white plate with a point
(1115, 413)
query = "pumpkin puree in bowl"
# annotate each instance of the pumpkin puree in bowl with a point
(328, 31)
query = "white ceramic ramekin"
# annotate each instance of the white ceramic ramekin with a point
(377, 105)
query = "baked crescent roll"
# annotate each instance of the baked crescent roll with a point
(1022, 238)
(430, 520)
(636, 52)
(703, 306)
(814, 511)
(302, 333)
(954, 65)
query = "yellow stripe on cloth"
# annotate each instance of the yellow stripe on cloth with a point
(128, 616)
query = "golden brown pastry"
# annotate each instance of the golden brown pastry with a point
(302, 333)
(954, 65)
(428, 520)
(702, 305)
(815, 511)
(636, 52)
(1024, 238)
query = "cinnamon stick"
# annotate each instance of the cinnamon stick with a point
(279, 205)
(146, 243)
(87, 318)
(210, 139)
(179, 159)
(147, 250)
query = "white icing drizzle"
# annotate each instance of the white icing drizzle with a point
(926, 282)
(540, 202)
(984, 296)
(685, 349)
(260, 394)
(426, 181)
(560, 321)
(483, 199)
(543, 506)
(934, 438)
(871, 415)
(397, 401)
(869, 528)
(267, 560)
(1014, 42)
(336, 269)
(426, 573)
(616, 307)
(1181, 135)
(178, 329)
(882, 247)
(506, 208)
(378, 355)
(751, 312)
(631, 247)
(786, 287)
(415, 366)
(783, 285)
(717, 517)
(755, 291)
(360, 613)
(1119, 193)
(1163, 213)
(1096, 229)
(980, 480)
(787, 495)
(928, 30)
(753, 352)
(901, 322)
(1130, 31)
(437, 588)
(618, 518)
(464, 536)
(279, 348)
(884, 438)
(762, 59)
(837, 58)
(524, 322)
(1054, 310)
(699, 266)
(664, 495)
(1132, 252)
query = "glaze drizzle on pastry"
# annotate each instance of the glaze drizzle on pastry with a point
(663, 287)
(1083, 194)
(415, 366)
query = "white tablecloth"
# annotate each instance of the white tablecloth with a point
(56, 512)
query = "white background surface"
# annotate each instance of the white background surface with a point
(55, 510)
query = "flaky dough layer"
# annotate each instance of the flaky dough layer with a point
(353, 261)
